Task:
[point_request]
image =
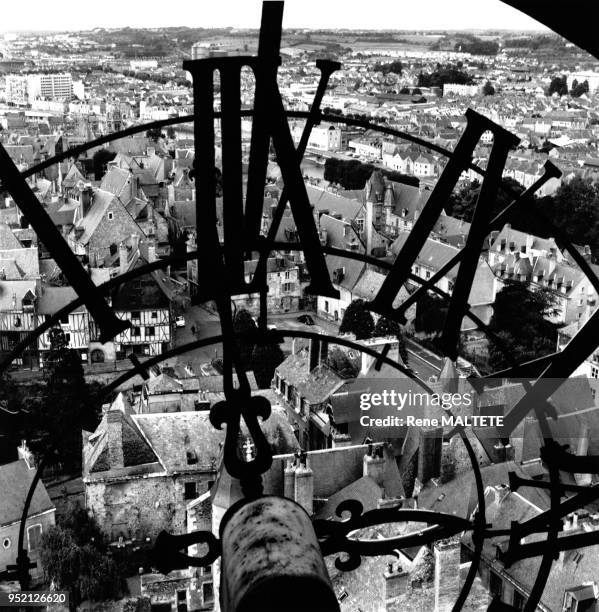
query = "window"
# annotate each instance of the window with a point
(287, 275)
(207, 592)
(326, 306)
(518, 601)
(495, 584)
(154, 315)
(135, 315)
(6, 543)
(64, 319)
(594, 371)
(136, 331)
(428, 274)
(150, 331)
(191, 457)
(191, 490)
(34, 537)
(110, 216)
(287, 287)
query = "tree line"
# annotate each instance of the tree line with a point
(353, 174)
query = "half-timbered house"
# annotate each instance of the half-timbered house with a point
(146, 302)
(75, 324)
(20, 286)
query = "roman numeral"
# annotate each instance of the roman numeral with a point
(242, 228)
(110, 325)
(503, 141)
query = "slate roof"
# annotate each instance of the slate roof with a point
(101, 201)
(7, 239)
(25, 262)
(52, 299)
(158, 443)
(326, 201)
(434, 254)
(340, 233)
(15, 480)
(15, 289)
(73, 176)
(352, 270)
(115, 180)
(574, 569)
(369, 285)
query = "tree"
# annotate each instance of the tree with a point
(521, 320)
(338, 360)
(394, 67)
(100, 160)
(65, 398)
(404, 91)
(462, 204)
(245, 329)
(578, 89)
(386, 327)
(430, 314)
(416, 91)
(265, 359)
(154, 134)
(558, 85)
(357, 320)
(488, 89)
(75, 556)
(574, 208)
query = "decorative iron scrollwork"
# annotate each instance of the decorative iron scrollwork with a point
(333, 535)
(166, 556)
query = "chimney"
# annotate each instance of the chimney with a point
(368, 222)
(151, 251)
(374, 464)
(389, 502)
(314, 358)
(304, 485)
(289, 480)
(134, 242)
(510, 452)
(123, 258)
(582, 449)
(396, 582)
(587, 253)
(86, 196)
(24, 453)
(429, 453)
(498, 452)
(114, 431)
(324, 351)
(447, 574)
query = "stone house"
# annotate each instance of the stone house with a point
(141, 470)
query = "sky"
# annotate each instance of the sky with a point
(367, 14)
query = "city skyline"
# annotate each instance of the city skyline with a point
(310, 14)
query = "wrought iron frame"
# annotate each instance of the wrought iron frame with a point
(333, 535)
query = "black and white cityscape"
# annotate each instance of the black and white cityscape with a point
(313, 329)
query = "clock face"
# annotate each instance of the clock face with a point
(220, 263)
